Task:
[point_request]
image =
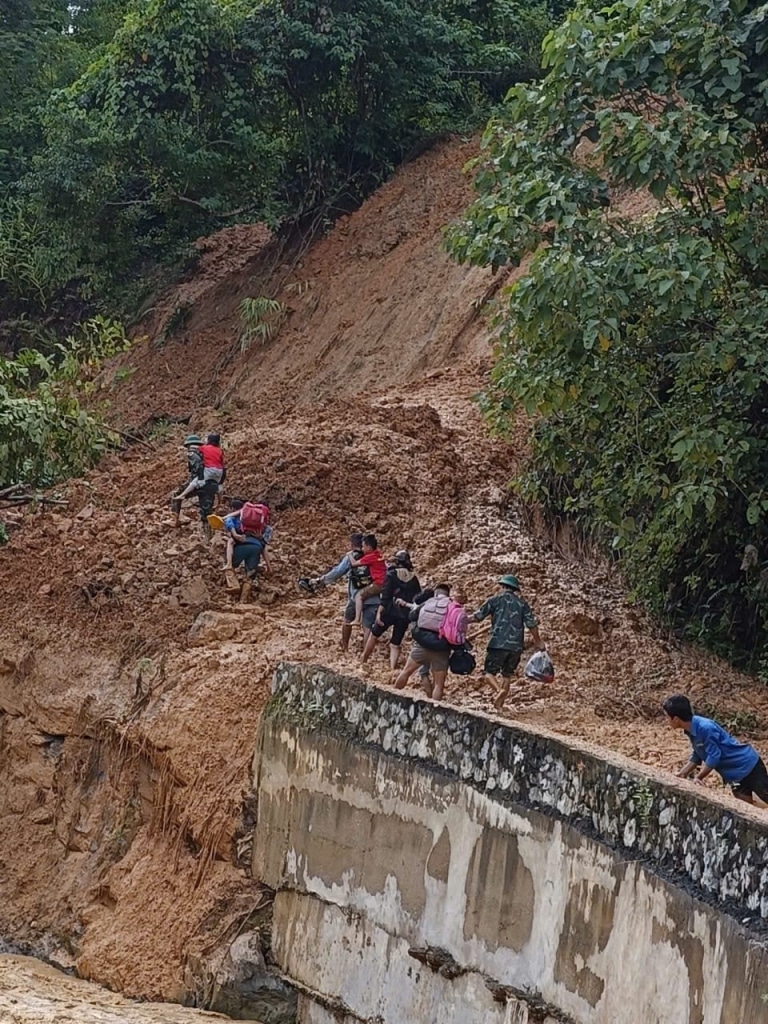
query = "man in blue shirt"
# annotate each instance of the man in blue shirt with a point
(357, 578)
(739, 764)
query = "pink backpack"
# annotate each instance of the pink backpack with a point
(455, 625)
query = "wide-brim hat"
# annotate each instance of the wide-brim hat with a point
(509, 581)
(191, 440)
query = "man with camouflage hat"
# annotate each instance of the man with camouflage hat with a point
(510, 616)
(204, 490)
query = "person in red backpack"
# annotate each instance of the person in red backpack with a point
(373, 559)
(248, 535)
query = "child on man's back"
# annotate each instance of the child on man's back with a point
(373, 559)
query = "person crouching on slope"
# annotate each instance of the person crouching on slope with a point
(714, 749)
(373, 559)
(510, 616)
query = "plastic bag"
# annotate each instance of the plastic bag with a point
(540, 667)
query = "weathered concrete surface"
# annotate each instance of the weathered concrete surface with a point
(429, 868)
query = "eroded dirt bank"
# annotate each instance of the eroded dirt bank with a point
(130, 686)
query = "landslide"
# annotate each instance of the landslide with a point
(131, 685)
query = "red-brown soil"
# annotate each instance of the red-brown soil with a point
(126, 731)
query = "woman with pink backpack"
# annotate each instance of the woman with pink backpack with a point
(440, 627)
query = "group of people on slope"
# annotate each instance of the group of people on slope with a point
(246, 526)
(388, 597)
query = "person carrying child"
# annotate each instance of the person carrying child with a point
(373, 560)
(248, 533)
(197, 485)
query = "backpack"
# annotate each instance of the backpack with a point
(254, 518)
(455, 623)
(432, 613)
(429, 640)
(359, 575)
(540, 667)
(462, 662)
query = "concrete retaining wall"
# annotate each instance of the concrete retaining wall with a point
(435, 867)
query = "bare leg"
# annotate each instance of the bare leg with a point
(492, 682)
(346, 634)
(405, 675)
(503, 693)
(370, 646)
(743, 797)
(394, 656)
(230, 551)
(439, 684)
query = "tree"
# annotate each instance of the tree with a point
(636, 338)
(199, 112)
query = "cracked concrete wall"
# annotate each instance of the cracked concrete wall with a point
(379, 830)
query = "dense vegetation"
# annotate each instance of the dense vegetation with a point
(130, 127)
(637, 338)
(128, 130)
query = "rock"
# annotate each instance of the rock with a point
(45, 589)
(193, 593)
(210, 626)
(583, 624)
(85, 513)
(240, 983)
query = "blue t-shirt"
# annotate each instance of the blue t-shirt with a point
(718, 749)
(232, 522)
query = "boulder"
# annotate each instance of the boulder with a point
(193, 593)
(210, 626)
(240, 984)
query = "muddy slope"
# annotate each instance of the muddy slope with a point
(131, 685)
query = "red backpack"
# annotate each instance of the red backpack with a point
(455, 624)
(254, 518)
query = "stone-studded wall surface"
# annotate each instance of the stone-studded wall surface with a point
(432, 867)
(722, 854)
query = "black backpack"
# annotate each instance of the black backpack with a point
(359, 575)
(462, 662)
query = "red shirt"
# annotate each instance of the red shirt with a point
(213, 456)
(377, 566)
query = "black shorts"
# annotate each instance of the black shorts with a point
(248, 554)
(501, 662)
(756, 783)
(399, 626)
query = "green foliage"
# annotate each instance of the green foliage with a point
(637, 336)
(3, 533)
(195, 113)
(45, 433)
(260, 318)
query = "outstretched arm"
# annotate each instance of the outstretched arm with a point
(337, 571)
